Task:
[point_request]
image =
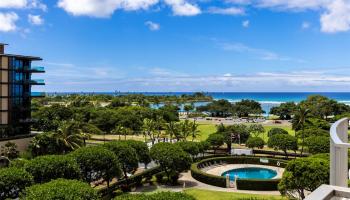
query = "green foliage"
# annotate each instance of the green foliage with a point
(304, 174)
(318, 144)
(219, 108)
(19, 162)
(284, 110)
(256, 129)
(275, 131)
(315, 123)
(313, 132)
(157, 196)
(13, 181)
(9, 150)
(283, 142)
(189, 147)
(246, 107)
(255, 142)
(216, 140)
(126, 155)
(171, 158)
(169, 113)
(43, 144)
(96, 163)
(141, 149)
(321, 107)
(61, 189)
(46, 168)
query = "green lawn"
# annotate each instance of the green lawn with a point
(214, 195)
(209, 128)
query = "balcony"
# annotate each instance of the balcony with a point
(31, 82)
(37, 94)
(37, 69)
(32, 69)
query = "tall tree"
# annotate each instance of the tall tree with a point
(299, 120)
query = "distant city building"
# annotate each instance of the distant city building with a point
(16, 93)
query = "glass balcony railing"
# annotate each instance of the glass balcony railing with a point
(34, 69)
(37, 82)
(37, 94)
(37, 69)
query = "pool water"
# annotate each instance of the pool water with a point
(251, 173)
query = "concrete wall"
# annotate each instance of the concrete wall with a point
(22, 144)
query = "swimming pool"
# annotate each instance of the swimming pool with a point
(251, 173)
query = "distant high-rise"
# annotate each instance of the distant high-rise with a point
(16, 94)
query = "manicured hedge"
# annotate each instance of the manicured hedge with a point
(13, 181)
(256, 184)
(210, 179)
(220, 181)
(133, 180)
(157, 196)
(61, 189)
(47, 168)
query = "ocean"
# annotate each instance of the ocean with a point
(266, 99)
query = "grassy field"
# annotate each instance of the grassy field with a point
(214, 195)
(209, 128)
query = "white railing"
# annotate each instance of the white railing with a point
(339, 153)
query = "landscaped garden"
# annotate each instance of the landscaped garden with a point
(89, 151)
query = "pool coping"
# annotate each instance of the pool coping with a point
(219, 170)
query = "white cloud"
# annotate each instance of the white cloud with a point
(35, 19)
(152, 25)
(8, 21)
(183, 8)
(337, 17)
(246, 23)
(13, 3)
(102, 8)
(335, 14)
(227, 11)
(22, 4)
(105, 8)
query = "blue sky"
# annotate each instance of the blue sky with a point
(183, 45)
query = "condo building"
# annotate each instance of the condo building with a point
(16, 94)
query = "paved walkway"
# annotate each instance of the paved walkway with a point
(187, 182)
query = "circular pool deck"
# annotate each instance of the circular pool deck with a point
(219, 170)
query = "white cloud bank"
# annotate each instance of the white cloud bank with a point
(105, 8)
(8, 21)
(227, 11)
(334, 17)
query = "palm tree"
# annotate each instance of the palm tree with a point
(194, 130)
(68, 137)
(159, 124)
(185, 129)
(118, 129)
(299, 121)
(173, 130)
(149, 128)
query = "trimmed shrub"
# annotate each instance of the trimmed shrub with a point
(157, 196)
(19, 162)
(317, 144)
(258, 185)
(47, 168)
(255, 142)
(96, 163)
(275, 131)
(313, 132)
(13, 181)
(61, 189)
